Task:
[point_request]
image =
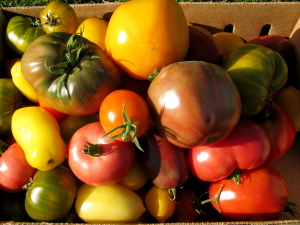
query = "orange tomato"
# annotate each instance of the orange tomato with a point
(146, 35)
(94, 29)
(228, 42)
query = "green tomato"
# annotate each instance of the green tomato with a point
(108, 203)
(257, 72)
(21, 32)
(51, 194)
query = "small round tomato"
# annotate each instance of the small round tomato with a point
(59, 17)
(94, 29)
(124, 115)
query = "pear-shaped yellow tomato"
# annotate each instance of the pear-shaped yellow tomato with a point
(158, 203)
(22, 84)
(94, 29)
(38, 134)
(144, 35)
(108, 203)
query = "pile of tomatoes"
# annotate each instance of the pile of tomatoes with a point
(143, 118)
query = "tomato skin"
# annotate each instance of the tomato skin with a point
(108, 203)
(246, 147)
(60, 184)
(261, 195)
(154, 37)
(87, 84)
(111, 116)
(12, 177)
(164, 163)
(281, 130)
(189, 113)
(54, 112)
(113, 163)
(37, 132)
(20, 33)
(64, 16)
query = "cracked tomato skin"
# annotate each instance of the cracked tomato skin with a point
(85, 85)
(154, 37)
(261, 195)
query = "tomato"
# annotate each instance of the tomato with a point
(258, 72)
(11, 99)
(159, 204)
(164, 163)
(51, 194)
(228, 42)
(8, 64)
(38, 134)
(246, 147)
(154, 37)
(191, 113)
(288, 98)
(70, 73)
(108, 204)
(96, 161)
(58, 16)
(21, 31)
(22, 84)
(70, 124)
(124, 115)
(136, 177)
(261, 195)
(12, 177)
(281, 130)
(94, 29)
(54, 112)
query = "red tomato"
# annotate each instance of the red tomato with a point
(261, 195)
(112, 116)
(15, 171)
(281, 130)
(54, 112)
(96, 161)
(246, 147)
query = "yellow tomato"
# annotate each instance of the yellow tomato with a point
(144, 35)
(94, 29)
(108, 203)
(159, 204)
(228, 42)
(136, 178)
(38, 134)
(22, 84)
(289, 99)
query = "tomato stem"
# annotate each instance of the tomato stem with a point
(93, 150)
(28, 185)
(216, 199)
(235, 176)
(291, 208)
(129, 129)
(51, 21)
(171, 193)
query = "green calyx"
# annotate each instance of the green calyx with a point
(28, 185)
(93, 150)
(75, 46)
(51, 21)
(129, 130)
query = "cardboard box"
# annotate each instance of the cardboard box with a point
(247, 19)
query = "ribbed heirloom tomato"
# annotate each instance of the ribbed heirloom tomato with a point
(146, 35)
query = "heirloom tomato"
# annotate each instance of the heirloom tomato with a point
(258, 72)
(108, 204)
(15, 171)
(11, 99)
(261, 195)
(288, 99)
(54, 112)
(146, 35)
(22, 84)
(96, 161)
(38, 134)
(70, 73)
(94, 29)
(124, 115)
(160, 206)
(21, 32)
(194, 103)
(246, 147)
(50, 194)
(281, 130)
(59, 17)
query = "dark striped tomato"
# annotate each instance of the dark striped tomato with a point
(51, 194)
